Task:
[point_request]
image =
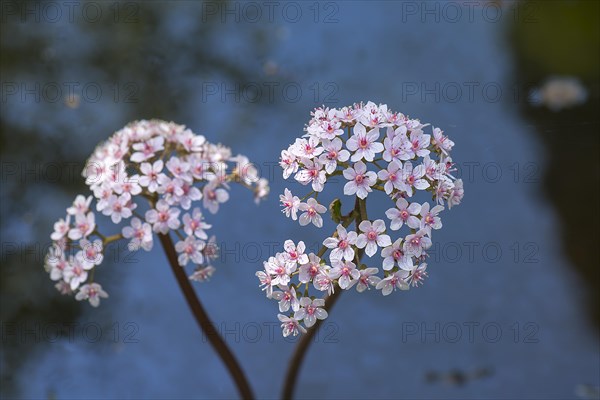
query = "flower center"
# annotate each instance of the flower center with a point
(372, 235)
(363, 143)
(397, 254)
(148, 149)
(404, 215)
(311, 211)
(359, 179)
(343, 244)
(324, 280)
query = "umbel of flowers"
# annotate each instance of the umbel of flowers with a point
(376, 150)
(161, 166)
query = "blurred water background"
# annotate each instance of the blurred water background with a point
(511, 307)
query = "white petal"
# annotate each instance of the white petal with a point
(384, 240)
(350, 188)
(361, 241)
(371, 249)
(320, 313)
(304, 219)
(318, 221)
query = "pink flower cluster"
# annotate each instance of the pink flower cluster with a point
(165, 166)
(374, 149)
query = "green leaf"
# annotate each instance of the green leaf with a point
(335, 208)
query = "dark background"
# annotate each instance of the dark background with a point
(511, 306)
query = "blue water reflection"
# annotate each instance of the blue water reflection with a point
(501, 297)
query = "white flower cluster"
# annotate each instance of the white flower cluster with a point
(373, 148)
(166, 166)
